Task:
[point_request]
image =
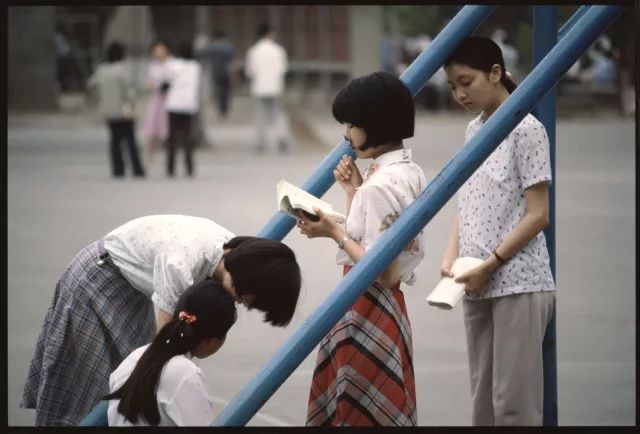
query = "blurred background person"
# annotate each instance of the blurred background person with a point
(64, 58)
(265, 66)
(434, 94)
(156, 121)
(602, 70)
(390, 53)
(116, 104)
(220, 53)
(183, 104)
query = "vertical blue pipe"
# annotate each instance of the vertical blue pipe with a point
(545, 37)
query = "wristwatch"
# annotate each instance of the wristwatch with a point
(342, 241)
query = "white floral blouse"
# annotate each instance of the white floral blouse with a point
(391, 183)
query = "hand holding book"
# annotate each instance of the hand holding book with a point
(292, 199)
(448, 292)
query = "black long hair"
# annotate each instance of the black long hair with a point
(479, 52)
(268, 270)
(215, 312)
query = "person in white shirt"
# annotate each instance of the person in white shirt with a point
(103, 306)
(364, 372)
(158, 384)
(502, 209)
(265, 66)
(183, 104)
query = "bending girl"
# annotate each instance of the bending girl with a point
(103, 305)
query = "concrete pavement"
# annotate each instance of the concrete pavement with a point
(60, 198)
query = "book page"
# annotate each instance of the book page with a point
(291, 198)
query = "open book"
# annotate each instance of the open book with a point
(447, 292)
(291, 199)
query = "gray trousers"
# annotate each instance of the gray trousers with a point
(504, 345)
(272, 124)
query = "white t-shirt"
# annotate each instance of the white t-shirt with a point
(162, 255)
(183, 95)
(491, 203)
(266, 65)
(391, 183)
(182, 397)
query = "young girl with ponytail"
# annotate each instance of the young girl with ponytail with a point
(502, 209)
(158, 384)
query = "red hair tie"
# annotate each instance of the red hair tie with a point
(184, 316)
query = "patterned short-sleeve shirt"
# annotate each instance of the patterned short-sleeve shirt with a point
(391, 183)
(491, 203)
(162, 255)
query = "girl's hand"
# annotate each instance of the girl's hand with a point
(445, 267)
(474, 279)
(348, 175)
(325, 227)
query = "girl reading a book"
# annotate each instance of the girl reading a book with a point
(364, 371)
(502, 209)
(158, 383)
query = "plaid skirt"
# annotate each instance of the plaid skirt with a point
(364, 368)
(96, 318)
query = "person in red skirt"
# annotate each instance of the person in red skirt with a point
(364, 370)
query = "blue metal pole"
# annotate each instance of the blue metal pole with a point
(570, 22)
(98, 416)
(544, 39)
(543, 77)
(420, 70)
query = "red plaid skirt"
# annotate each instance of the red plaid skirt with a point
(364, 368)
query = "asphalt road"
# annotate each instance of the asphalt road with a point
(60, 198)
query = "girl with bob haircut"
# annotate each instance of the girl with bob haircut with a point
(105, 301)
(158, 384)
(502, 209)
(364, 370)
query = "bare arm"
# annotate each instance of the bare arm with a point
(388, 278)
(347, 175)
(535, 219)
(327, 227)
(452, 251)
(163, 318)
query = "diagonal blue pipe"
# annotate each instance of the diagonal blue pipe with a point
(543, 77)
(568, 25)
(416, 75)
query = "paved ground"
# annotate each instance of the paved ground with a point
(60, 198)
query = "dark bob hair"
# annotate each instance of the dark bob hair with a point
(268, 270)
(379, 103)
(481, 53)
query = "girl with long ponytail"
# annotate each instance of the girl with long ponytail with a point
(158, 384)
(502, 209)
